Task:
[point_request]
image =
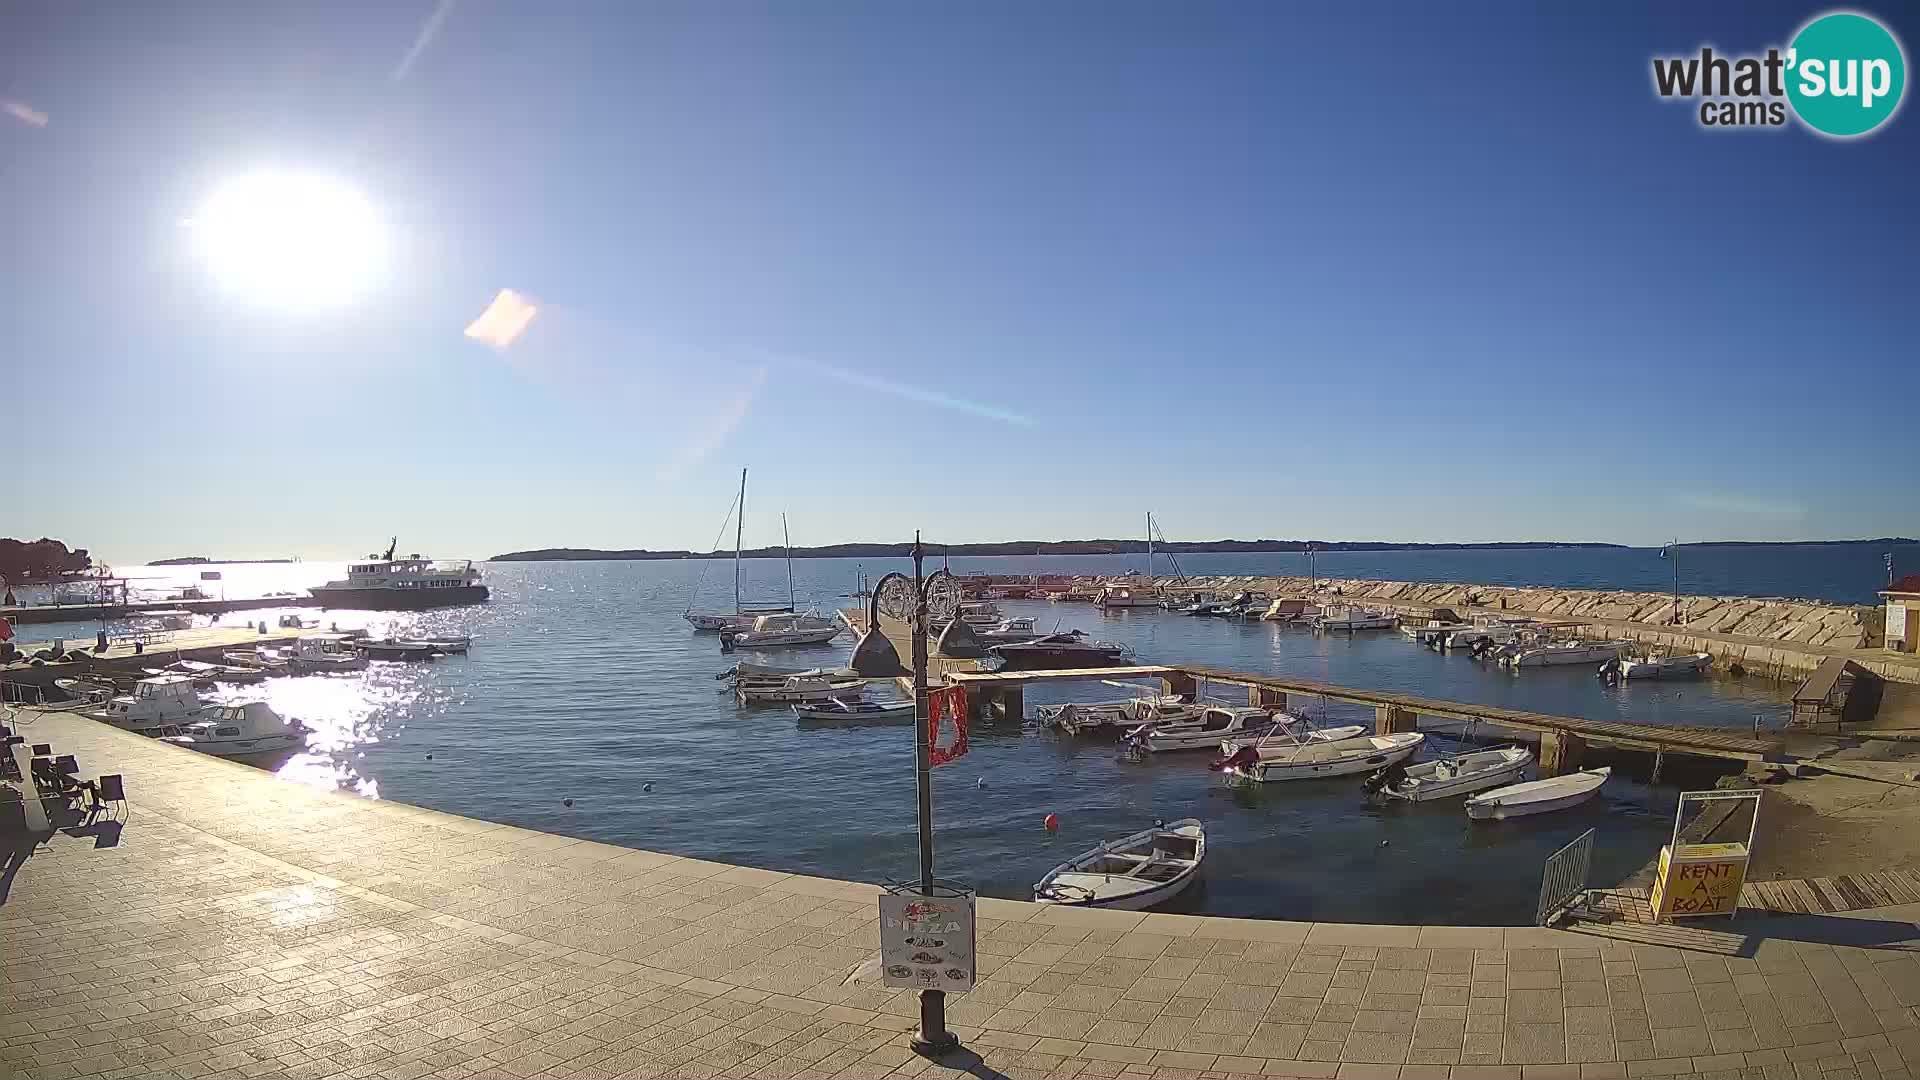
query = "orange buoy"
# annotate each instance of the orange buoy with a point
(1051, 821)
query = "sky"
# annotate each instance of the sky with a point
(993, 270)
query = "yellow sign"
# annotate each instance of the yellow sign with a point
(1699, 884)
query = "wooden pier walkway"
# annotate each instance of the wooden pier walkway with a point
(1562, 737)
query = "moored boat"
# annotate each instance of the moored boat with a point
(157, 706)
(318, 653)
(1445, 778)
(850, 712)
(1662, 667)
(1351, 619)
(1537, 796)
(1071, 649)
(799, 689)
(769, 631)
(1217, 724)
(1286, 755)
(1150, 867)
(1563, 653)
(384, 583)
(246, 730)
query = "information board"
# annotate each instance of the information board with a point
(927, 941)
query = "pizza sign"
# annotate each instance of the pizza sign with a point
(927, 942)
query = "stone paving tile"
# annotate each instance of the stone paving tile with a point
(317, 935)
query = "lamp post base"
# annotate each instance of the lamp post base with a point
(933, 1039)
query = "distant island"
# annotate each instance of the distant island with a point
(1022, 547)
(202, 560)
(1879, 542)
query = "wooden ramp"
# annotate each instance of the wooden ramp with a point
(1802, 896)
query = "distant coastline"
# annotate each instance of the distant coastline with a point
(1020, 547)
(1117, 547)
(202, 560)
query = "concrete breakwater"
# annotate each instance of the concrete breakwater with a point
(1783, 638)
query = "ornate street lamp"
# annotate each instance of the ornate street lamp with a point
(917, 600)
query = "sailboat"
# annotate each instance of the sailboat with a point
(1132, 590)
(742, 617)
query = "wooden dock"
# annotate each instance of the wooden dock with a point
(1799, 896)
(1562, 738)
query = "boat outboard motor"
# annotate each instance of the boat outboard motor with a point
(1382, 778)
(1246, 755)
(726, 641)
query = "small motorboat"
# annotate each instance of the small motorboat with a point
(249, 729)
(449, 645)
(1080, 718)
(1216, 724)
(799, 689)
(156, 706)
(1658, 667)
(847, 711)
(1150, 867)
(321, 653)
(1446, 778)
(1008, 632)
(396, 650)
(1285, 755)
(262, 659)
(1291, 609)
(1351, 619)
(1054, 651)
(1537, 796)
(1562, 653)
(770, 631)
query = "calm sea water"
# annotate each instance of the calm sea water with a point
(585, 684)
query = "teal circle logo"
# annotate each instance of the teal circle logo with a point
(1846, 74)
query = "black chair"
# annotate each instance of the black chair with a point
(108, 789)
(41, 749)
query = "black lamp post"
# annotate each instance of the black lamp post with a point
(916, 599)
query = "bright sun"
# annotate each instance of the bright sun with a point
(290, 240)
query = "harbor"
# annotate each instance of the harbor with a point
(324, 934)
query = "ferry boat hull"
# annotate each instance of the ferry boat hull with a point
(398, 599)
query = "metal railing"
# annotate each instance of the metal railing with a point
(1564, 880)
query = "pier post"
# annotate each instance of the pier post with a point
(1560, 752)
(1391, 720)
(1012, 704)
(1265, 697)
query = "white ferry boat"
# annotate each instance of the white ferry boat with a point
(384, 583)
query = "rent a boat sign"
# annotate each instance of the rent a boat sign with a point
(927, 941)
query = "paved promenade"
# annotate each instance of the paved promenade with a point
(242, 926)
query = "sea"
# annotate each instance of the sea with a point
(589, 707)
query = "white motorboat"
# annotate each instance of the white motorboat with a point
(1009, 631)
(980, 614)
(384, 583)
(741, 617)
(319, 653)
(1150, 867)
(799, 689)
(1216, 724)
(84, 693)
(249, 729)
(1128, 594)
(1432, 631)
(215, 673)
(1537, 796)
(450, 645)
(1351, 619)
(1665, 667)
(845, 711)
(1562, 653)
(1449, 777)
(1080, 718)
(770, 631)
(1468, 638)
(263, 659)
(1285, 755)
(156, 707)
(1291, 609)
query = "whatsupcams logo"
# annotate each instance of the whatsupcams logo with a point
(1843, 76)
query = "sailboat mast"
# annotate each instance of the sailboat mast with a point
(739, 530)
(1149, 547)
(787, 537)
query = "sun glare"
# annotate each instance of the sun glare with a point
(290, 240)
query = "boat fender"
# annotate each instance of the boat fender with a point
(980, 783)
(1052, 822)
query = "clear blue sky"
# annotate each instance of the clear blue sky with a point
(997, 270)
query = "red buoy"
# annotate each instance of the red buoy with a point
(1051, 821)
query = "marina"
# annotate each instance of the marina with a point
(371, 731)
